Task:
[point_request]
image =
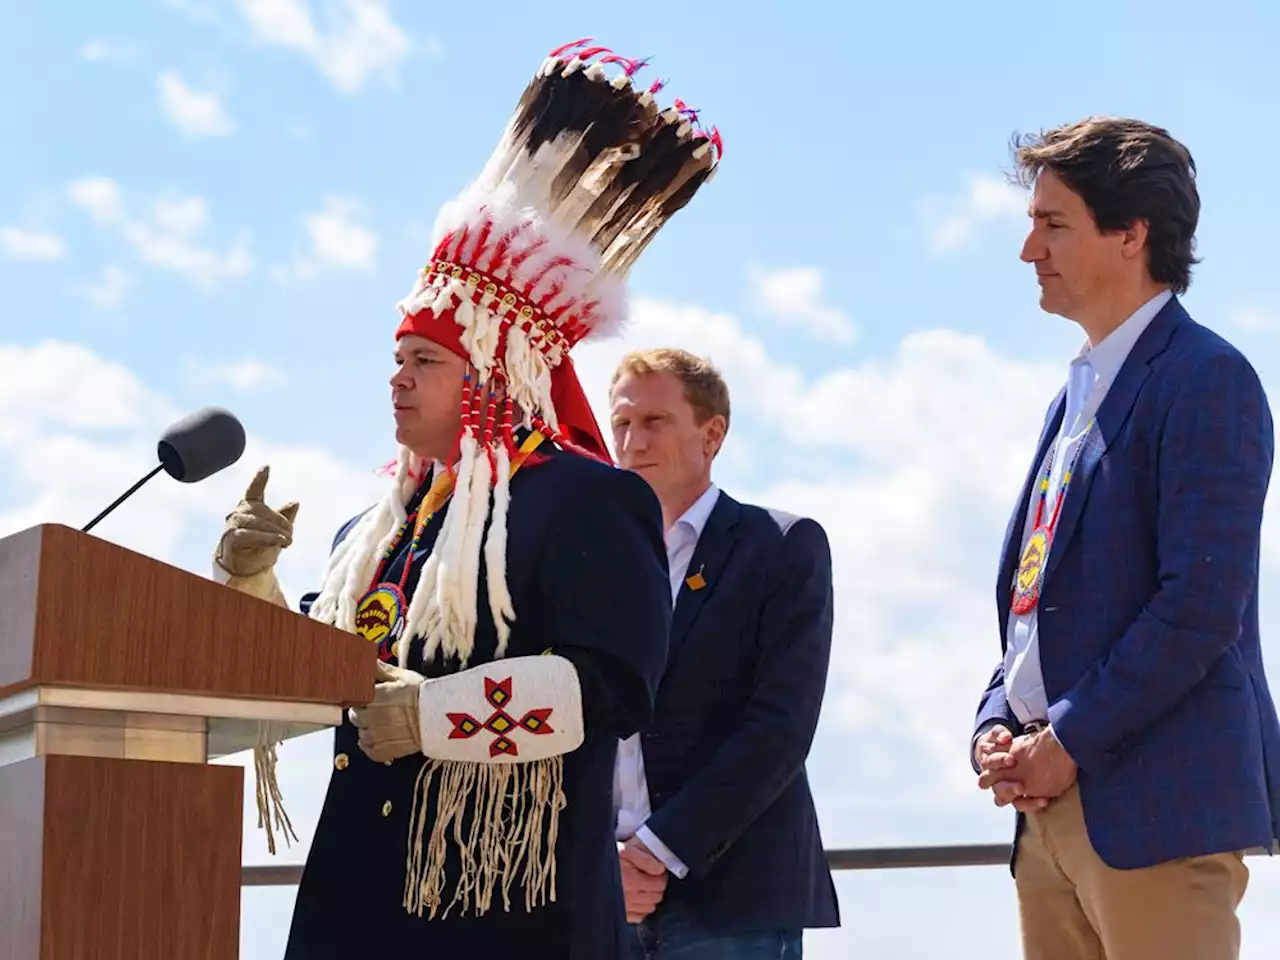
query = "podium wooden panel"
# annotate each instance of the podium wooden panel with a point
(120, 858)
(120, 676)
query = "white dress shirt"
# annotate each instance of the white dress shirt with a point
(1090, 377)
(630, 789)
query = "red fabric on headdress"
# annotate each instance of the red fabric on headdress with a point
(437, 327)
(573, 410)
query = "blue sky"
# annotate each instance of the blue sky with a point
(220, 201)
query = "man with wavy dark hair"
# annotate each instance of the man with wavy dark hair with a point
(1130, 722)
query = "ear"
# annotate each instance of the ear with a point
(713, 435)
(1133, 240)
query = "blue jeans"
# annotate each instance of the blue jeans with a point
(672, 933)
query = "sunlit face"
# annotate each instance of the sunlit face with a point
(426, 392)
(1078, 266)
(656, 433)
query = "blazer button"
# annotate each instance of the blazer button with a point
(386, 809)
(341, 761)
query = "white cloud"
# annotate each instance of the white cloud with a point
(99, 197)
(913, 530)
(914, 505)
(717, 336)
(911, 464)
(107, 51)
(796, 296)
(339, 239)
(169, 238)
(196, 11)
(951, 226)
(32, 245)
(359, 39)
(194, 113)
(241, 376)
(1256, 319)
(107, 289)
(181, 216)
(205, 267)
(77, 428)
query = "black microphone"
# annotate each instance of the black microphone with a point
(195, 447)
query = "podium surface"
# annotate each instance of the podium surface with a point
(120, 677)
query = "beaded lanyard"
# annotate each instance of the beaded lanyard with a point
(441, 489)
(1030, 574)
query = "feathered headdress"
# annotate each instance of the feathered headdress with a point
(529, 260)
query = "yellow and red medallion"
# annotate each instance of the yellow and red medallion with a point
(380, 617)
(1026, 583)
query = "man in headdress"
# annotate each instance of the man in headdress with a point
(515, 584)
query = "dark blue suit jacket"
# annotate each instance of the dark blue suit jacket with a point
(1148, 617)
(734, 718)
(587, 572)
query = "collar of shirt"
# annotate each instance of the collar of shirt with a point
(1096, 366)
(1109, 356)
(694, 520)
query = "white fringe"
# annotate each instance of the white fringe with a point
(352, 564)
(480, 340)
(512, 206)
(528, 377)
(271, 812)
(504, 821)
(443, 608)
(495, 555)
(469, 574)
(438, 615)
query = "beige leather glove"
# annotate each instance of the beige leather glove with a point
(251, 542)
(388, 726)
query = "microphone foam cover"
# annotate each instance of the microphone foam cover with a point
(200, 445)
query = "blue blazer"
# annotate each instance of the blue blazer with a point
(1148, 615)
(734, 719)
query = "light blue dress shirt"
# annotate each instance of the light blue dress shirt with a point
(630, 789)
(1088, 380)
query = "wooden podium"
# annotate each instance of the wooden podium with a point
(120, 677)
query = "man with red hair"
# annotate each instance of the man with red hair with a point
(513, 579)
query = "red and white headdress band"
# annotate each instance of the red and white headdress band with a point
(527, 262)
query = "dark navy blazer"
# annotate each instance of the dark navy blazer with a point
(587, 572)
(1148, 618)
(734, 718)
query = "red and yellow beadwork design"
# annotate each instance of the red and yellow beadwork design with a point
(500, 723)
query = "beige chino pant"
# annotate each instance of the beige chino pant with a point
(1074, 907)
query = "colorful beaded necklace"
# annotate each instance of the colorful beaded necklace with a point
(1030, 575)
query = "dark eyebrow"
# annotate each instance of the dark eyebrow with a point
(427, 349)
(1044, 214)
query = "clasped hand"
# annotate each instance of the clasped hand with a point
(388, 724)
(644, 879)
(1026, 771)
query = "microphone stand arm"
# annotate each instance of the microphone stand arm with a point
(121, 499)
